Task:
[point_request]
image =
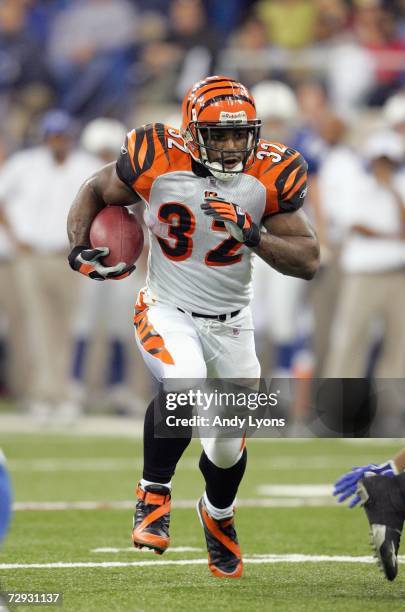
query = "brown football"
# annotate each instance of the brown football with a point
(119, 230)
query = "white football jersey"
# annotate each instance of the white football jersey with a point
(193, 262)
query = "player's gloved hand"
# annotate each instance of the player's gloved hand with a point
(347, 484)
(237, 221)
(86, 261)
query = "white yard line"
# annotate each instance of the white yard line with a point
(295, 490)
(132, 549)
(74, 465)
(287, 502)
(253, 559)
(109, 426)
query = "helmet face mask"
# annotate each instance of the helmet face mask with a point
(219, 112)
(208, 138)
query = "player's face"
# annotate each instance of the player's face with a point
(231, 142)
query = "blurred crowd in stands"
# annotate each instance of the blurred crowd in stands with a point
(328, 77)
(108, 57)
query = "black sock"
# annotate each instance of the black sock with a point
(221, 484)
(161, 455)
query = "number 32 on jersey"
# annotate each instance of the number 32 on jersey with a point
(181, 223)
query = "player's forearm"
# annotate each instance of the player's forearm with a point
(85, 207)
(291, 255)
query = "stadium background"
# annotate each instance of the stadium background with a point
(336, 92)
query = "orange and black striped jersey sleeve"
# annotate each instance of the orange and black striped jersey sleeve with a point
(284, 174)
(143, 157)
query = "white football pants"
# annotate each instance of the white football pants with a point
(176, 345)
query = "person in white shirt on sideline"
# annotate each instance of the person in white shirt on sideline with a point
(102, 308)
(36, 188)
(373, 266)
(10, 381)
(284, 297)
(335, 201)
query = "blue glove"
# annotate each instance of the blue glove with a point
(347, 484)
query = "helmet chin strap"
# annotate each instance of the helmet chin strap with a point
(216, 169)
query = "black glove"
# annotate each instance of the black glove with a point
(86, 261)
(237, 221)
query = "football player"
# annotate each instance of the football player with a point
(380, 488)
(215, 194)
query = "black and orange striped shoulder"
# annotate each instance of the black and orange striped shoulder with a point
(148, 152)
(140, 150)
(283, 171)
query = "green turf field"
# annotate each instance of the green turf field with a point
(64, 468)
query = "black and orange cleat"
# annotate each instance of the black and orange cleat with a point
(152, 518)
(224, 554)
